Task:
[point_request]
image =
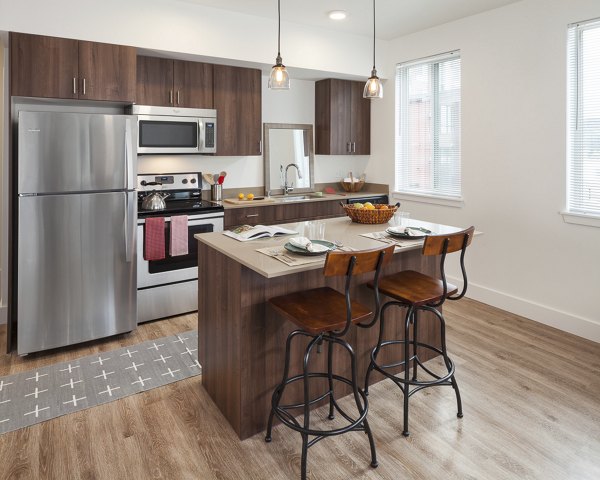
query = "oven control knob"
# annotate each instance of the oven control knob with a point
(193, 180)
(184, 181)
(143, 183)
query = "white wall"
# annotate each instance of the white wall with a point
(513, 160)
(183, 27)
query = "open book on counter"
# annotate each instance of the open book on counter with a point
(249, 232)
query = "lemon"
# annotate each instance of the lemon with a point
(369, 206)
(358, 206)
(241, 196)
(250, 196)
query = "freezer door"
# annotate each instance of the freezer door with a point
(77, 275)
(74, 152)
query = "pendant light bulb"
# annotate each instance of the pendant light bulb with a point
(279, 78)
(373, 87)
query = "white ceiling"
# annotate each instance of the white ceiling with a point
(395, 18)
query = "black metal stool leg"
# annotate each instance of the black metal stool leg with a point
(409, 315)
(359, 404)
(330, 378)
(459, 413)
(415, 341)
(377, 348)
(304, 456)
(279, 390)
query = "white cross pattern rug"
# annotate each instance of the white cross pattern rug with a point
(54, 390)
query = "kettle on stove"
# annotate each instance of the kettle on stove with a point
(154, 201)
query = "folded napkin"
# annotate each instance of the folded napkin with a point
(305, 244)
(416, 231)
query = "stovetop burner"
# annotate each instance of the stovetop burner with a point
(184, 191)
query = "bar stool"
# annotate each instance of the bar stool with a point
(325, 315)
(415, 292)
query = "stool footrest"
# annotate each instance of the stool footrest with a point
(282, 413)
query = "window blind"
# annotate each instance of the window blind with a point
(583, 177)
(428, 117)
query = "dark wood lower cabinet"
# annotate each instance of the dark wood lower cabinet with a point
(291, 212)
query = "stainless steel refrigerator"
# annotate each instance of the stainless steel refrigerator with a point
(77, 209)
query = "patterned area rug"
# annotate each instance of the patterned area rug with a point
(48, 392)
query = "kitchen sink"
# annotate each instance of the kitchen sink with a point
(293, 198)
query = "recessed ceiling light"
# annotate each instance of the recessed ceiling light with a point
(337, 15)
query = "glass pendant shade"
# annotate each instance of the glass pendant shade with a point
(373, 87)
(279, 79)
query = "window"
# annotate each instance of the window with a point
(583, 143)
(428, 127)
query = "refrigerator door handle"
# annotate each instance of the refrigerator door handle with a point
(129, 154)
(130, 224)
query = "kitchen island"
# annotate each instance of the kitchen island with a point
(242, 340)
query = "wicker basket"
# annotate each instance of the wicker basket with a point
(353, 186)
(362, 215)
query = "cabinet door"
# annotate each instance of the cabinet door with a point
(43, 66)
(237, 99)
(360, 122)
(332, 117)
(107, 72)
(193, 84)
(154, 83)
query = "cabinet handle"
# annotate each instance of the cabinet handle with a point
(177, 97)
(75, 85)
(170, 97)
(252, 215)
(260, 147)
(83, 90)
(353, 147)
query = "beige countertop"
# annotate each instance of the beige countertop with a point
(340, 230)
(280, 200)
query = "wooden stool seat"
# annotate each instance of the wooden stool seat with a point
(319, 310)
(414, 288)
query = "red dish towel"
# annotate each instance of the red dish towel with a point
(179, 236)
(154, 240)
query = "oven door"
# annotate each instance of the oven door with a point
(164, 134)
(174, 269)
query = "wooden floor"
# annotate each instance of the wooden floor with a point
(531, 399)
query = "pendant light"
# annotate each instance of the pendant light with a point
(373, 87)
(279, 79)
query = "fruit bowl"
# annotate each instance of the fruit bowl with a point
(374, 216)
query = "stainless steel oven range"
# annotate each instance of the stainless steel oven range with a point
(169, 286)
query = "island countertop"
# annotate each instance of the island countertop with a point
(340, 230)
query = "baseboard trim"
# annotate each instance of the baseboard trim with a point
(582, 327)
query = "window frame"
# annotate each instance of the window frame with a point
(425, 196)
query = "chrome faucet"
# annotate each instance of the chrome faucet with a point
(286, 188)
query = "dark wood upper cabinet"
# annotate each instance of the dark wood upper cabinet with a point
(107, 72)
(52, 67)
(174, 83)
(342, 118)
(43, 66)
(237, 99)
(154, 81)
(193, 84)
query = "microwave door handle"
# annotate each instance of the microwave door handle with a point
(200, 135)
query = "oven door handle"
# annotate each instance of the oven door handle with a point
(130, 225)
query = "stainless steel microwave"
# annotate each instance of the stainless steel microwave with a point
(168, 130)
